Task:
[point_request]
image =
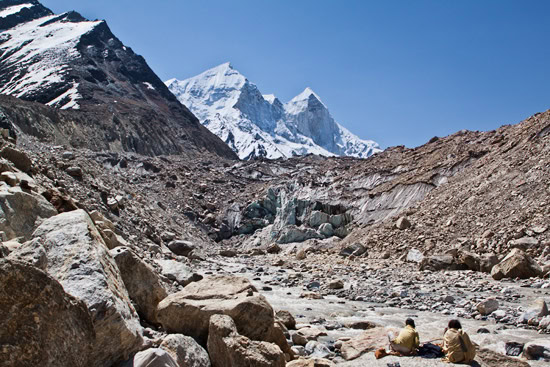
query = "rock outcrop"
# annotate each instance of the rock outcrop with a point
(227, 348)
(142, 282)
(22, 212)
(190, 310)
(516, 264)
(77, 257)
(42, 325)
(185, 351)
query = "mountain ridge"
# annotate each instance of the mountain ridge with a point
(261, 126)
(68, 62)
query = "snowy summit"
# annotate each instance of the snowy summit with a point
(260, 126)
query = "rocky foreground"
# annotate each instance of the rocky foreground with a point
(115, 259)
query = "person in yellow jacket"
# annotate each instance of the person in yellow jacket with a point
(457, 346)
(408, 341)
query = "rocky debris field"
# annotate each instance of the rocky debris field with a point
(195, 260)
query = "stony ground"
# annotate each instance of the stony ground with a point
(385, 294)
(482, 194)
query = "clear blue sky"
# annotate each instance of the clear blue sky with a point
(398, 72)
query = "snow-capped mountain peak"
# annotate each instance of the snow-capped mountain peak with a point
(305, 95)
(256, 125)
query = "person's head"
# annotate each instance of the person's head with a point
(410, 322)
(455, 324)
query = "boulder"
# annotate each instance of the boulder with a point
(142, 282)
(440, 262)
(470, 260)
(62, 203)
(152, 357)
(181, 248)
(537, 309)
(273, 249)
(336, 284)
(79, 259)
(185, 351)
(311, 295)
(227, 348)
(74, 171)
(228, 253)
(22, 212)
(101, 222)
(517, 264)
(537, 350)
(403, 223)
(414, 256)
(19, 159)
(368, 341)
(317, 350)
(355, 249)
(189, 310)
(487, 306)
(513, 349)
(9, 177)
(111, 239)
(362, 325)
(178, 272)
(524, 243)
(306, 334)
(544, 323)
(42, 325)
(487, 262)
(286, 318)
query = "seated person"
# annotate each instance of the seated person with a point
(407, 341)
(457, 345)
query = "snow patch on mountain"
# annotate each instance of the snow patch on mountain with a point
(14, 9)
(256, 125)
(68, 99)
(40, 50)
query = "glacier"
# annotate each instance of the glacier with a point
(261, 126)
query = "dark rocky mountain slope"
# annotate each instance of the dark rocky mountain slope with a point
(118, 103)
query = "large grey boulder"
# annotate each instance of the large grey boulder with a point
(178, 272)
(517, 264)
(355, 249)
(19, 159)
(537, 309)
(22, 212)
(144, 286)
(487, 306)
(79, 259)
(189, 310)
(41, 325)
(185, 351)
(415, 256)
(228, 349)
(180, 247)
(440, 262)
